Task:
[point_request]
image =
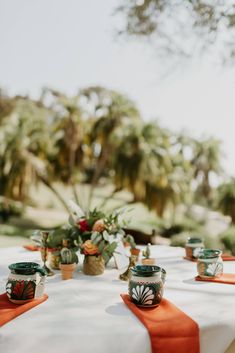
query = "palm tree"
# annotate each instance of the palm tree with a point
(25, 144)
(145, 165)
(68, 135)
(206, 162)
(6, 105)
(226, 198)
(106, 110)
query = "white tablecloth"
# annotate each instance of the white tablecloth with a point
(87, 315)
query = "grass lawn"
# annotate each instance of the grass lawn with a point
(47, 212)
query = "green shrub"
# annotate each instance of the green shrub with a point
(209, 241)
(226, 198)
(186, 225)
(9, 208)
(228, 239)
(6, 229)
(179, 239)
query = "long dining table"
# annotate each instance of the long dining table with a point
(86, 314)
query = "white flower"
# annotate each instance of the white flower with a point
(144, 295)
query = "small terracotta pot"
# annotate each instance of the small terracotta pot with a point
(93, 265)
(67, 270)
(149, 261)
(135, 252)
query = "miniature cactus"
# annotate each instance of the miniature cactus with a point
(68, 256)
(146, 253)
(68, 263)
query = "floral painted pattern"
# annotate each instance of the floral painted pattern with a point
(20, 290)
(215, 269)
(143, 295)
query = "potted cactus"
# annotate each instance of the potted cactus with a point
(68, 263)
(146, 256)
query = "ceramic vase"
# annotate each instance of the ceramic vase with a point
(210, 263)
(26, 282)
(93, 265)
(146, 285)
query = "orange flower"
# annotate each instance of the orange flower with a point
(89, 248)
(99, 226)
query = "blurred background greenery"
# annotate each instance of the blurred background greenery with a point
(96, 148)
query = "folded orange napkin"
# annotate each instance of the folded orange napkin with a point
(31, 247)
(225, 257)
(170, 329)
(8, 310)
(226, 278)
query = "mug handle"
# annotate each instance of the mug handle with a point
(42, 271)
(163, 275)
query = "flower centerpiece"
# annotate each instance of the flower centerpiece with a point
(97, 236)
(97, 250)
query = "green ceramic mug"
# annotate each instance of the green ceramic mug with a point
(146, 285)
(25, 282)
(193, 247)
(210, 263)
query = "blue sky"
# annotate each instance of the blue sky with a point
(69, 44)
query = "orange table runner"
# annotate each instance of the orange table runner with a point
(226, 278)
(8, 310)
(225, 257)
(31, 247)
(170, 329)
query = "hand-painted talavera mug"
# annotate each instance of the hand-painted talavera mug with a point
(146, 285)
(193, 247)
(25, 282)
(210, 263)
